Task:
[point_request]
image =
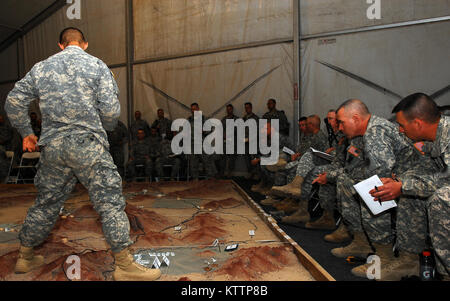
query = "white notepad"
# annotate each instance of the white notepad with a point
(288, 151)
(322, 155)
(363, 189)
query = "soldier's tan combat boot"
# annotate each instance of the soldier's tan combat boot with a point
(386, 255)
(269, 201)
(339, 236)
(299, 216)
(359, 247)
(288, 205)
(128, 270)
(293, 189)
(325, 222)
(27, 261)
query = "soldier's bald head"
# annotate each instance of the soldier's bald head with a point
(355, 106)
(70, 35)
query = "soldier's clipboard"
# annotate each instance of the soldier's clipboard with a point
(322, 155)
(363, 189)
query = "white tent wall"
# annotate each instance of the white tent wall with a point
(322, 16)
(403, 60)
(102, 21)
(176, 27)
(213, 80)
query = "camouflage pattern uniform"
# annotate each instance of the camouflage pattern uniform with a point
(429, 180)
(117, 139)
(164, 126)
(227, 162)
(135, 127)
(248, 157)
(140, 151)
(194, 160)
(281, 116)
(378, 152)
(165, 158)
(155, 150)
(77, 103)
(277, 178)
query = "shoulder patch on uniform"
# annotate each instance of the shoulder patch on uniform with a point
(354, 151)
(419, 146)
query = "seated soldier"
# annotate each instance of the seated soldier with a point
(167, 157)
(139, 155)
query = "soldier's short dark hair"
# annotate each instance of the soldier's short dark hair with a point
(273, 100)
(302, 119)
(355, 104)
(194, 104)
(230, 106)
(248, 104)
(419, 105)
(71, 34)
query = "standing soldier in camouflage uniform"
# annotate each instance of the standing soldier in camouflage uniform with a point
(162, 124)
(167, 157)
(117, 140)
(78, 98)
(420, 119)
(227, 162)
(254, 172)
(138, 124)
(275, 114)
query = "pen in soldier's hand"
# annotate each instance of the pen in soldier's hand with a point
(376, 188)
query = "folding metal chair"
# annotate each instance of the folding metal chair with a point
(21, 167)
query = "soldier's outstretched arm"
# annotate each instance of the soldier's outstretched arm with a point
(18, 103)
(108, 104)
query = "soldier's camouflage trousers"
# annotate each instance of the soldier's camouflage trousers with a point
(327, 196)
(208, 165)
(62, 162)
(411, 225)
(358, 217)
(174, 163)
(438, 213)
(147, 164)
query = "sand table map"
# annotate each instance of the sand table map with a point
(184, 227)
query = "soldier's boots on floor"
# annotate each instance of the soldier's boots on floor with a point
(299, 216)
(340, 235)
(128, 270)
(288, 205)
(325, 222)
(359, 247)
(293, 189)
(27, 261)
(393, 268)
(386, 255)
(269, 201)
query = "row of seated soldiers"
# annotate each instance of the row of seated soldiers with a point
(411, 155)
(150, 146)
